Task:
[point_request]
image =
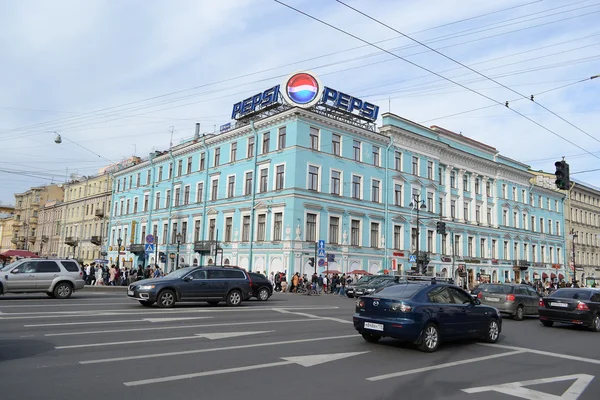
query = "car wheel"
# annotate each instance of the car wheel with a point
(596, 323)
(146, 303)
(49, 294)
(263, 294)
(213, 303)
(430, 338)
(63, 290)
(166, 299)
(369, 337)
(519, 314)
(234, 298)
(547, 323)
(493, 331)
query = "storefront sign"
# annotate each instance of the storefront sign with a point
(472, 261)
(398, 254)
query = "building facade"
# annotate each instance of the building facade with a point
(84, 217)
(266, 191)
(6, 232)
(27, 208)
(48, 241)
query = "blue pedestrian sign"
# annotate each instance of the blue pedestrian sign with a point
(149, 248)
(412, 258)
(321, 253)
(321, 244)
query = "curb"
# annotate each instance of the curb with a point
(116, 289)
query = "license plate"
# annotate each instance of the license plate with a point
(130, 293)
(491, 299)
(555, 304)
(375, 327)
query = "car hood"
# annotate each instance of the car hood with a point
(151, 281)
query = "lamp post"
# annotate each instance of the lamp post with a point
(179, 238)
(418, 205)
(574, 235)
(119, 242)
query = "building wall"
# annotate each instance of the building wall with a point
(6, 233)
(384, 222)
(48, 241)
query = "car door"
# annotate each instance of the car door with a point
(467, 317)
(46, 273)
(444, 311)
(535, 300)
(217, 284)
(194, 285)
(21, 278)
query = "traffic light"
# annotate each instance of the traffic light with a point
(562, 175)
(311, 262)
(440, 227)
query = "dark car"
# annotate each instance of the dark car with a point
(425, 314)
(373, 285)
(575, 306)
(517, 300)
(362, 281)
(262, 288)
(211, 284)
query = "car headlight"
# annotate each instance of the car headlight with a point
(146, 287)
(370, 290)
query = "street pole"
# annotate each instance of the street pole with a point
(418, 204)
(315, 262)
(119, 242)
(574, 265)
(178, 245)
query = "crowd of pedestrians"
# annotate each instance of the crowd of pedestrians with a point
(95, 274)
(322, 283)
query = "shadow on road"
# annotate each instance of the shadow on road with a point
(15, 348)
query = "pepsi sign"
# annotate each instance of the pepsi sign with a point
(256, 103)
(302, 89)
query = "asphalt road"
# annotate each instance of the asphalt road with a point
(100, 345)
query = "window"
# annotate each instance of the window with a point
(482, 251)
(248, 184)
(356, 186)
(557, 232)
(541, 225)
(493, 255)
(170, 170)
(45, 266)
(264, 180)
(165, 233)
(397, 194)
(415, 165)
(334, 229)
(336, 148)
(246, 228)
(167, 199)
(550, 227)
(277, 226)
(311, 227)
(477, 186)
(524, 226)
(313, 178)
(532, 223)
(189, 166)
(314, 138)
(515, 216)
(505, 217)
(505, 250)
(430, 202)
(355, 232)
(397, 237)
(375, 191)
(440, 295)
(138, 178)
(183, 232)
(177, 197)
(466, 211)
(261, 232)
(470, 246)
(179, 167)
(465, 183)
(199, 193)
(459, 296)
(148, 177)
(457, 245)
(281, 138)
(430, 170)
(214, 189)
(217, 156)
(202, 161)
(279, 177)
(233, 152)
(376, 156)
(503, 191)
(453, 208)
(266, 143)
(430, 241)
(146, 202)
(478, 214)
(374, 234)
(488, 189)
(156, 201)
(356, 150)
(231, 186)
(186, 195)
(135, 205)
(250, 147)
(335, 182)
(212, 226)
(160, 173)
(398, 161)
(453, 180)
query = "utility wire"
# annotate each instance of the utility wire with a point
(432, 72)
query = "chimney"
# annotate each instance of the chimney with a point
(197, 133)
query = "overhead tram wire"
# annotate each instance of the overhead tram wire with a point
(297, 62)
(532, 98)
(435, 73)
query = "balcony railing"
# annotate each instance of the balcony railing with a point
(97, 240)
(14, 240)
(71, 241)
(99, 213)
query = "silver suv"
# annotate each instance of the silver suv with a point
(55, 277)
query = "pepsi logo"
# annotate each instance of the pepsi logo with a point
(302, 89)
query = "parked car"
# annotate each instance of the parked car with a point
(425, 314)
(575, 306)
(362, 281)
(55, 277)
(262, 288)
(510, 298)
(373, 285)
(211, 284)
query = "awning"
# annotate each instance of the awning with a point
(545, 275)
(19, 253)
(561, 276)
(553, 276)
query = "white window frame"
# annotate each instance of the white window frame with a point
(275, 175)
(319, 176)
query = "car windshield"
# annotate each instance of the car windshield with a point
(366, 279)
(572, 294)
(9, 266)
(401, 291)
(497, 289)
(380, 280)
(179, 272)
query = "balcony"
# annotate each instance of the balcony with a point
(17, 223)
(14, 240)
(97, 240)
(71, 241)
(99, 213)
(21, 239)
(137, 248)
(31, 239)
(45, 239)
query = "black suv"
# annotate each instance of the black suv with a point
(262, 288)
(211, 284)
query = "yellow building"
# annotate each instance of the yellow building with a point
(27, 207)
(6, 232)
(85, 216)
(48, 237)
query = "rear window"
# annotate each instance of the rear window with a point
(402, 291)
(257, 277)
(498, 289)
(70, 266)
(234, 274)
(572, 294)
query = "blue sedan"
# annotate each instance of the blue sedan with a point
(425, 314)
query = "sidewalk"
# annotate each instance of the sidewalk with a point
(116, 289)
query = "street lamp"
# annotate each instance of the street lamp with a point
(574, 236)
(119, 242)
(179, 239)
(418, 205)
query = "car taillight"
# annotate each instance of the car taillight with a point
(81, 273)
(510, 297)
(541, 303)
(250, 280)
(479, 295)
(582, 307)
(360, 303)
(401, 307)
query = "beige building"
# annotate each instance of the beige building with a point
(48, 238)
(85, 216)
(6, 232)
(582, 222)
(27, 208)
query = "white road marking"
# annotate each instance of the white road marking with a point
(246, 346)
(543, 353)
(517, 389)
(178, 327)
(284, 311)
(211, 336)
(55, 305)
(305, 361)
(122, 321)
(440, 366)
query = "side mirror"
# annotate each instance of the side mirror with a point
(188, 278)
(477, 302)
(15, 271)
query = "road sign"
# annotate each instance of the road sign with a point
(412, 258)
(321, 253)
(321, 244)
(150, 239)
(149, 248)
(518, 389)
(321, 262)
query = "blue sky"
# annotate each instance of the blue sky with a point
(65, 60)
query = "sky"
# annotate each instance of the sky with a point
(117, 79)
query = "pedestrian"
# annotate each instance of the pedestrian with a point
(325, 284)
